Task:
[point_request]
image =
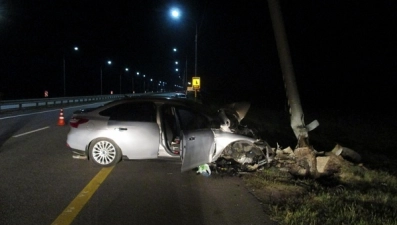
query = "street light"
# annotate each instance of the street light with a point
(109, 63)
(137, 73)
(175, 13)
(64, 71)
(144, 84)
(126, 70)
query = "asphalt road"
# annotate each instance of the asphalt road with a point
(40, 180)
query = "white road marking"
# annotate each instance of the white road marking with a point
(31, 132)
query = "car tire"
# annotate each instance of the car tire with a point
(104, 152)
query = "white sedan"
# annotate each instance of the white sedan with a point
(160, 127)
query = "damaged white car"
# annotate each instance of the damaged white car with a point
(160, 127)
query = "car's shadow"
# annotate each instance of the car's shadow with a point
(7, 130)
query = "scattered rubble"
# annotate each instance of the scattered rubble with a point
(307, 162)
(304, 162)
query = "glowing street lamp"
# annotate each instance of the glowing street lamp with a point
(144, 83)
(175, 13)
(126, 70)
(109, 63)
(133, 86)
(64, 71)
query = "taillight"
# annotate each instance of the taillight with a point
(75, 122)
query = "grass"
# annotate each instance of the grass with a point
(361, 194)
(355, 196)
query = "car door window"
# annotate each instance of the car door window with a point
(191, 120)
(132, 111)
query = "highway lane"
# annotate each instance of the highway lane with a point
(39, 179)
(38, 175)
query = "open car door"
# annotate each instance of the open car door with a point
(198, 147)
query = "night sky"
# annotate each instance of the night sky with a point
(342, 51)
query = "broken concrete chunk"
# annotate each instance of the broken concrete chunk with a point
(328, 165)
(347, 153)
(288, 151)
(305, 165)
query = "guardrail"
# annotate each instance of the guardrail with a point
(47, 102)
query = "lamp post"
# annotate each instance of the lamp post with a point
(144, 80)
(126, 70)
(64, 71)
(175, 13)
(137, 73)
(109, 63)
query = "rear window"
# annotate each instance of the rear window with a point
(132, 111)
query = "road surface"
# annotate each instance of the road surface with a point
(42, 184)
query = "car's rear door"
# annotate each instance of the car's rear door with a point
(134, 129)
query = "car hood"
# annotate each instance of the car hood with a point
(240, 109)
(231, 115)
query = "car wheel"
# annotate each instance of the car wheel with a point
(104, 152)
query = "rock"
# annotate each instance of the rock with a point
(288, 151)
(306, 162)
(328, 165)
(347, 153)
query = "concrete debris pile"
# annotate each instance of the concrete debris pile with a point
(307, 162)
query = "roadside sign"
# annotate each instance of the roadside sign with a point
(196, 83)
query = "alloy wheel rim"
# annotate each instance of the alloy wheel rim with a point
(104, 152)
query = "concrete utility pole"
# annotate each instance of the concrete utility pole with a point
(297, 116)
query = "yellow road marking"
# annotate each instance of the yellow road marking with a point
(73, 209)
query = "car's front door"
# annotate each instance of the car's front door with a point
(198, 147)
(198, 144)
(135, 130)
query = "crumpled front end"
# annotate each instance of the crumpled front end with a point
(237, 147)
(230, 117)
(243, 156)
